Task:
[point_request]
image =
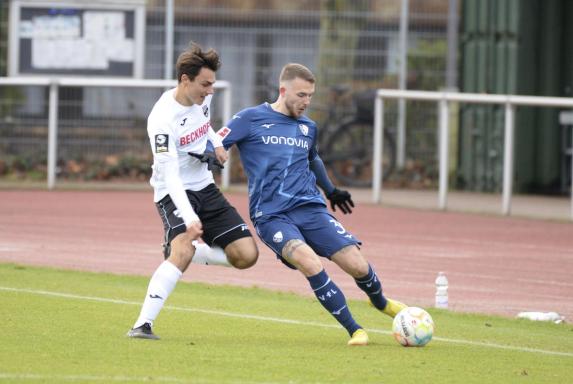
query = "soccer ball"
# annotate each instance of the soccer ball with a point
(413, 327)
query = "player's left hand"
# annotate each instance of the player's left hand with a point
(341, 199)
(208, 157)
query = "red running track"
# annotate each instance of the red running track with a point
(495, 265)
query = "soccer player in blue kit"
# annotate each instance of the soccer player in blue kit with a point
(277, 146)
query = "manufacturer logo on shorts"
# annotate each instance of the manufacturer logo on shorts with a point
(161, 143)
(303, 129)
(278, 237)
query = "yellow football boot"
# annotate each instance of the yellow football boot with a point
(359, 337)
(392, 307)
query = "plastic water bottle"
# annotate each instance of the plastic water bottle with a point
(441, 291)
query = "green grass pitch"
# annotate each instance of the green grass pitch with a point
(69, 327)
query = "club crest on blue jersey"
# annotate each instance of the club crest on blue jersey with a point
(161, 143)
(303, 129)
(206, 110)
(278, 237)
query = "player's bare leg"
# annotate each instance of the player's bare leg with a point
(242, 253)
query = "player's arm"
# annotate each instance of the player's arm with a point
(215, 154)
(337, 197)
(322, 180)
(217, 143)
(166, 170)
(236, 129)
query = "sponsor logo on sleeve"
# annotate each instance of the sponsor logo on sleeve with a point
(161, 143)
(224, 132)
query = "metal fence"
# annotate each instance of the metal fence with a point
(445, 99)
(91, 148)
(255, 39)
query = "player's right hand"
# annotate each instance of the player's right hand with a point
(195, 229)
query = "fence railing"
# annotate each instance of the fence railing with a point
(444, 99)
(55, 83)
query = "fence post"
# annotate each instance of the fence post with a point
(378, 148)
(508, 158)
(52, 133)
(444, 112)
(169, 27)
(402, 76)
(226, 173)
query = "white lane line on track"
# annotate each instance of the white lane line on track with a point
(276, 320)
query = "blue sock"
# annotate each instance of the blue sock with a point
(373, 288)
(332, 298)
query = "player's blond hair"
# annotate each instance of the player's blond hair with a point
(292, 71)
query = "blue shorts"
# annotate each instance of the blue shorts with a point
(311, 223)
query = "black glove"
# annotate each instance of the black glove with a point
(341, 199)
(208, 157)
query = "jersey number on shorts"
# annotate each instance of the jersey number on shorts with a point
(339, 228)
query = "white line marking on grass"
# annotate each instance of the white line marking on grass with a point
(116, 379)
(105, 379)
(277, 320)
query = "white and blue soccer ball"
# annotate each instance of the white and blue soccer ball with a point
(413, 327)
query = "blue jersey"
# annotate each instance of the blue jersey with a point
(275, 150)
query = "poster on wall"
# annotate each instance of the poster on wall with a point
(77, 39)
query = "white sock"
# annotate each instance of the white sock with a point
(160, 287)
(209, 255)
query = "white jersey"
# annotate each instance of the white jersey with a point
(174, 130)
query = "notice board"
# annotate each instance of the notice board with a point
(78, 38)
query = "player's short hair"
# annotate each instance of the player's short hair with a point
(293, 70)
(193, 59)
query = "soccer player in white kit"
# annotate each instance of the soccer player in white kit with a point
(187, 199)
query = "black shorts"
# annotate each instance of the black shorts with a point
(222, 224)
